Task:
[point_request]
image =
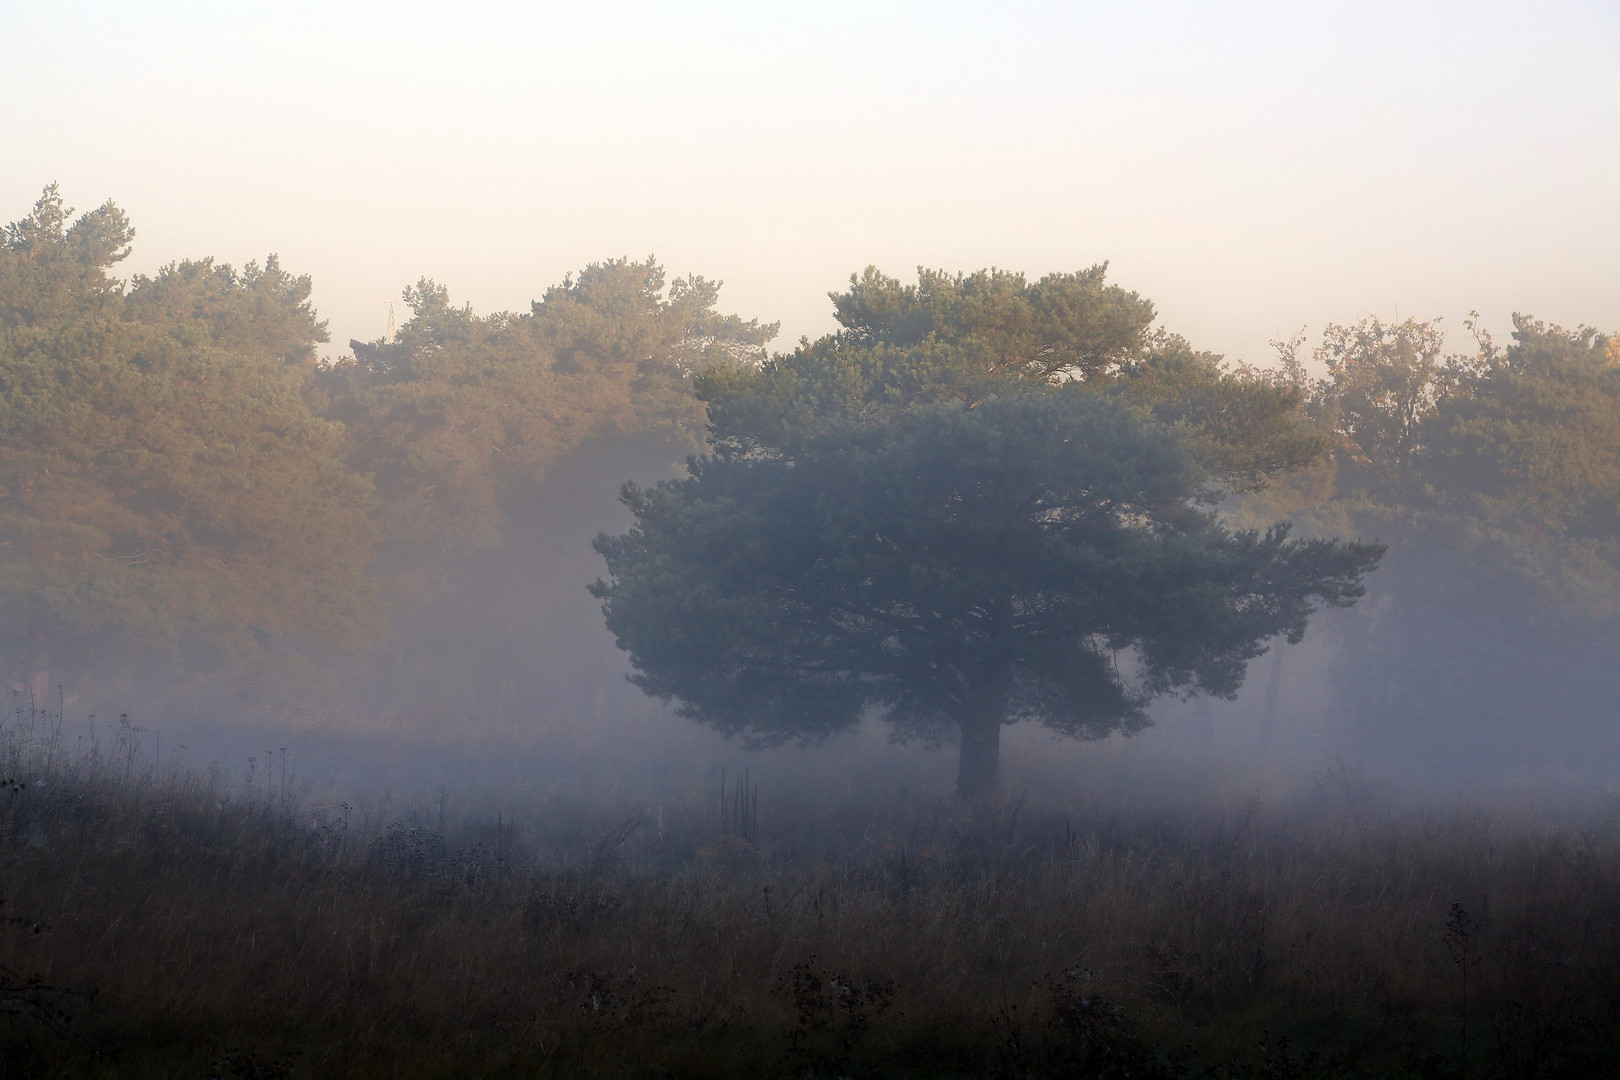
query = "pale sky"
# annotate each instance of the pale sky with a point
(1252, 167)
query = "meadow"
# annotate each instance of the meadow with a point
(165, 921)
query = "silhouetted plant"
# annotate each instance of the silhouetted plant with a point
(238, 1065)
(1461, 931)
(1076, 1034)
(29, 999)
(832, 1012)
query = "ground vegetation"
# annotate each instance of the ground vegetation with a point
(159, 922)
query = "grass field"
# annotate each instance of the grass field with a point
(161, 922)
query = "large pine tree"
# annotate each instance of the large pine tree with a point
(961, 511)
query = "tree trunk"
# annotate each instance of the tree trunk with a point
(978, 774)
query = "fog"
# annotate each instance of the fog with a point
(503, 693)
(327, 600)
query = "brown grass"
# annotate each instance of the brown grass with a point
(162, 925)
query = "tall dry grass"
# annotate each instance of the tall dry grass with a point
(163, 922)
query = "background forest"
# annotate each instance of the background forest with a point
(200, 514)
(200, 519)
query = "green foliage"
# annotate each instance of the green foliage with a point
(262, 311)
(1069, 325)
(459, 411)
(183, 488)
(970, 336)
(1527, 450)
(162, 482)
(1383, 386)
(1495, 478)
(945, 339)
(1245, 425)
(1012, 550)
(1509, 458)
(907, 516)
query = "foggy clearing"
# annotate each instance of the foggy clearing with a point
(1008, 687)
(1089, 550)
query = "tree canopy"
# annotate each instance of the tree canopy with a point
(966, 336)
(1494, 474)
(907, 516)
(185, 488)
(162, 482)
(458, 407)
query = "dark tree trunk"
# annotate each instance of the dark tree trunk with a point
(978, 774)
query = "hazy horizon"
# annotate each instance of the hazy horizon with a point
(1251, 169)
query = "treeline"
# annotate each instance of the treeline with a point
(186, 491)
(1491, 632)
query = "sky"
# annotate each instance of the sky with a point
(1252, 167)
